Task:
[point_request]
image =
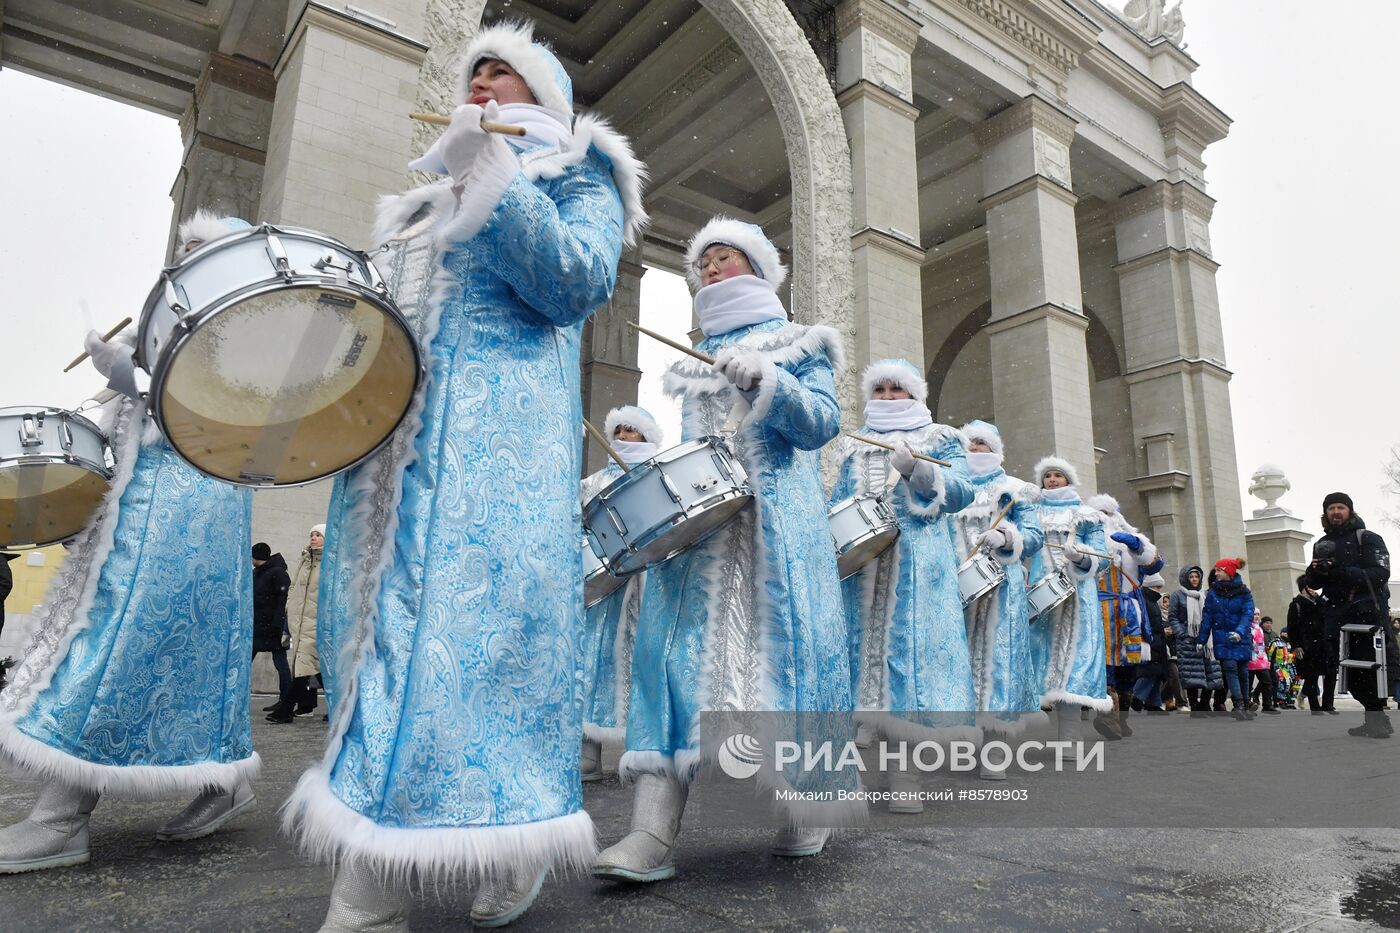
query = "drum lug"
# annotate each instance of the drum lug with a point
(278, 254)
(342, 273)
(670, 488)
(65, 436)
(175, 297)
(29, 428)
(618, 525)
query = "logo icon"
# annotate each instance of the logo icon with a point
(740, 756)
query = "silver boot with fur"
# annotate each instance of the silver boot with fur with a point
(645, 854)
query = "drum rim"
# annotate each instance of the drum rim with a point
(238, 236)
(869, 535)
(195, 320)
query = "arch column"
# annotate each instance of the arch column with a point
(1039, 360)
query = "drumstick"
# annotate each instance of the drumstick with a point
(105, 337)
(1000, 516)
(917, 456)
(702, 357)
(505, 129)
(605, 445)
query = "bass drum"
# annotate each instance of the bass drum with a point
(276, 357)
(55, 467)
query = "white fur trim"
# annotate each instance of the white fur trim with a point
(1149, 551)
(495, 168)
(1104, 503)
(974, 431)
(633, 764)
(1097, 704)
(514, 43)
(638, 418)
(604, 734)
(762, 254)
(38, 760)
(328, 830)
(927, 480)
(783, 347)
(628, 172)
(762, 401)
(1054, 463)
(393, 211)
(204, 226)
(1014, 539)
(897, 372)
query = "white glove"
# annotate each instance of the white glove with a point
(902, 459)
(113, 360)
(464, 139)
(993, 538)
(1235, 638)
(741, 366)
(1072, 551)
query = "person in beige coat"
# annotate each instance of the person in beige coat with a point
(301, 623)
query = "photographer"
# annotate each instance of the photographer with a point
(1351, 566)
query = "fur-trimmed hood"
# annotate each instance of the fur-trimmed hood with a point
(1104, 503)
(895, 372)
(985, 431)
(637, 417)
(1052, 462)
(591, 133)
(205, 226)
(513, 42)
(747, 238)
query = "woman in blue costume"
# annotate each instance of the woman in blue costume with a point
(1067, 641)
(751, 618)
(909, 658)
(135, 679)
(610, 628)
(453, 750)
(1008, 697)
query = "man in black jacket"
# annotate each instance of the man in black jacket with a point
(1314, 652)
(1351, 566)
(270, 585)
(7, 583)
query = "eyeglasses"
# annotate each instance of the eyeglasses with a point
(718, 259)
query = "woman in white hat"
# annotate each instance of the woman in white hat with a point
(453, 751)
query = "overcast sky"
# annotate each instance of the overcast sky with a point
(1305, 231)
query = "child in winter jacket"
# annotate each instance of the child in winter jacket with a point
(1227, 619)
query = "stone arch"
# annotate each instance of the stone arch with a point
(819, 156)
(1104, 358)
(958, 338)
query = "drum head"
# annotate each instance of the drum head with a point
(864, 552)
(287, 386)
(687, 532)
(43, 503)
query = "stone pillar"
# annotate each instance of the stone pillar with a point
(1276, 544)
(1040, 364)
(609, 355)
(225, 131)
(1178, 384)
(874, 78)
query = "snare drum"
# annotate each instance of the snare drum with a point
(598, 584)
(978, 576)
(669, 503)
(276, 357)
(1053, 589)
(863, 527)
(55, 467)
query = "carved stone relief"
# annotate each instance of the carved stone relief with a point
(1051, 157)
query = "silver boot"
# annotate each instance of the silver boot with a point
(905, 781)
(54, 834)
(362, 903)
(591, 763)
(645, 854)
(1068, 722)
(503, 900)
(795, 842)
(207, 812)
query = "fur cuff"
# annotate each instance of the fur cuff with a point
(492, 174)
(926, 489)
(1149, 552)
(1016, 542)
(1098, 704)
(604, 734)
(762, 402)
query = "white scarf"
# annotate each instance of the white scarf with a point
(738, 302)
(1062, 494)
(634, 452)
(897, 414)
(543, 127)
(981, 464)
(1195, 602)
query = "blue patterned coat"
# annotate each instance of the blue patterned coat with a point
(135, 681)
(751, 618)
(454, 745)
(908, 642)
(998, 624)
(1067, 642)
(605, 642)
